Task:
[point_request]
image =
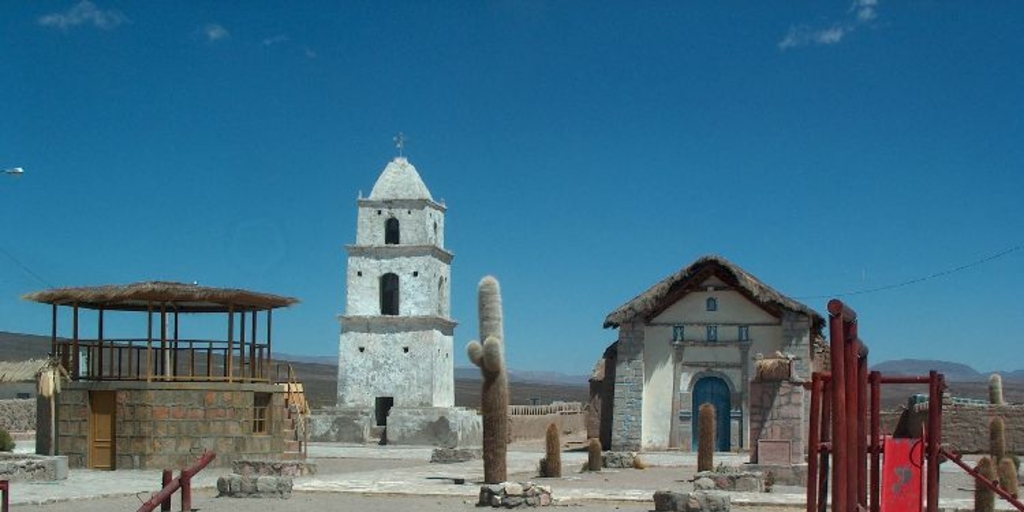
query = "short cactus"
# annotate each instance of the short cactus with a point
(490, 357)
(995, 389)
(1008, 476)
(706, 438)
(594, 454)
(551, 466)
(984, 498)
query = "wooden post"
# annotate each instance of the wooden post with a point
(229, 371)
(253, 371)
(149, 342)
(99, 334)
(74, 347)
(270, 355)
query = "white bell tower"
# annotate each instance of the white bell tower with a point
(396, 331)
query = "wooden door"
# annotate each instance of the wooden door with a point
(101, 429)
(715, 391)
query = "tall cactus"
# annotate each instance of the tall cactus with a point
(995, 389)
(984, 498)
(706, 438)
(490, 357)
(552, 464)
(997, 438)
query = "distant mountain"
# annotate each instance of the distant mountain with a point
(954, 372)
(535, 377)
(300, 358)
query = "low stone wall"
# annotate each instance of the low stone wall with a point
(21, 467)
(262, 478)
(965, 426)
(535, 427)
(448, 427)
(340, 425)
(18, 415)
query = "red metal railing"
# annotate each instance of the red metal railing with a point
(845, 424)
(171, 485)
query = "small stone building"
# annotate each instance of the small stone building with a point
(155, 396)
(695, 338)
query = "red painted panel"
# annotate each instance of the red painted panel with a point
(902, 484)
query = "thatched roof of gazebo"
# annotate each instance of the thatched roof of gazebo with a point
(659, 297)
(181, 297)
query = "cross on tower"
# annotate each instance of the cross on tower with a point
(400, 143)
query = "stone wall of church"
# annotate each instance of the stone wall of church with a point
(629, 388)
(413, 367)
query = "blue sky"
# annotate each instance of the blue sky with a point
(585, 151)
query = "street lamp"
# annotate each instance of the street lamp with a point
(14, 171)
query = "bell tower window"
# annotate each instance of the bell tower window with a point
(389, 294)
(391, 231)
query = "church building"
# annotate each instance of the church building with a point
(696, 337)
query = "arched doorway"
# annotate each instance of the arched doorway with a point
(715, 391)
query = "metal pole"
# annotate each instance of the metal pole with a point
(165, 505)
(840, 467)
(862, 428)
(813, 442)
(934, 437)
(876, 448)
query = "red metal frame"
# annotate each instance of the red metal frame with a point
(183, 482)
(845, 430)
(5, 489)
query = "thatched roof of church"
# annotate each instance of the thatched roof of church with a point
(659, 297)
(185, 298)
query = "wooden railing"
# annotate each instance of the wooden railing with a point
(170, 360)
(556, 408)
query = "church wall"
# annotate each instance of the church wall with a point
(418, 294)
(627, 427)
(657, 400)
(421, 376)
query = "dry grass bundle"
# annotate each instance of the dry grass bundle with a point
(773, 369)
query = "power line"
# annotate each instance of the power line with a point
(25, 268)
(919, 279)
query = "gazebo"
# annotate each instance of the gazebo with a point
(154, 400)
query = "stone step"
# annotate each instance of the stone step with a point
(288, 433)
(292, 456)
(292, 446)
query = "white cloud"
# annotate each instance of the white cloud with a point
(865, 10)
(860, 12)
(84, 13)
(215, 32)
(278, 39)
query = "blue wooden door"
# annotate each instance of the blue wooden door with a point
(715, 391)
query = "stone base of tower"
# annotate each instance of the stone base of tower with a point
(446, 427)
(341, 425)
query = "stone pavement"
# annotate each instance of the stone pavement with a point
(398, 470)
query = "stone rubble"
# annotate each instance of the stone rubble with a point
(697, 501)
(513, 495)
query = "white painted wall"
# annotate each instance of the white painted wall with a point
(734, 310)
